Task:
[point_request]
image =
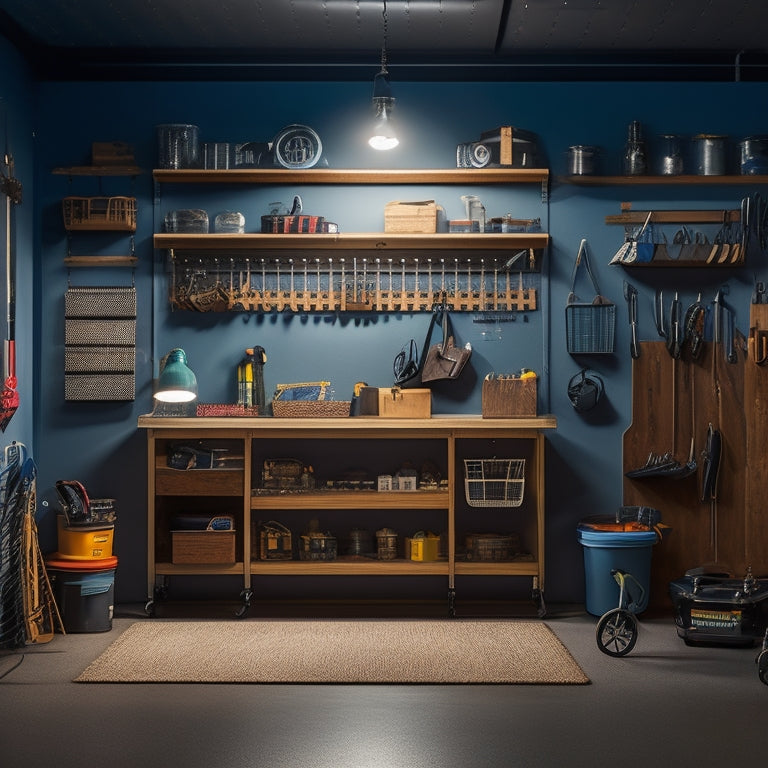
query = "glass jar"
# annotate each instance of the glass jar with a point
(635, 158)
(671, 161)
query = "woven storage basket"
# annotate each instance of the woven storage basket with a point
(99, 387)
(100, 302)
(99, 359)
(100, 331)
(310, 409)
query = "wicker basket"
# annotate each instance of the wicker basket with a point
(310, 409)
(225, 409)
(488, 547)
(100, 213)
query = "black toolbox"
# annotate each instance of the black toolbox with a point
(719, 609)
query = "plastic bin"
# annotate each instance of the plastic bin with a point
(606, 550)
(84, 592)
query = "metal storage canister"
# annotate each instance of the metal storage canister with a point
(753, 153)
(582, 160)
(710, 154)
(386, 541)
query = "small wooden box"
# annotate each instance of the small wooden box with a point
(406, 217)
(509, 398)
(202, 547)
(396, 403)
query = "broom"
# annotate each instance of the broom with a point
(9, 398)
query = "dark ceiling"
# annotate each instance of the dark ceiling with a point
(426, 39)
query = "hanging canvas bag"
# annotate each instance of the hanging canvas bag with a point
(445, 360)
(589, 326)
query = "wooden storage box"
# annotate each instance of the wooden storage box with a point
(396, 403)
(202, 547)
(509, 398)
(411, 217)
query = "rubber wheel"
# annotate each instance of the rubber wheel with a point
(616, 632)
(762, 667)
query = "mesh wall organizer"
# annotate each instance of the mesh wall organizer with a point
(100, 343)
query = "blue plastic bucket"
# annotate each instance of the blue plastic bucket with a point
(604, 551)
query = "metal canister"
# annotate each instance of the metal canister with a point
(753, 154)
(582, 160)
(710, 154)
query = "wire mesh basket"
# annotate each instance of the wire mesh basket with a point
(494, 482)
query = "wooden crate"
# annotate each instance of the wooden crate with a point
(202, 547)
(396, 403)
(411, 217)
(508, 398)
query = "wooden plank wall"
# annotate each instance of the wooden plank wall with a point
(672, 402)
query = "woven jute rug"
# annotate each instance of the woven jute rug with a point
(331, 651)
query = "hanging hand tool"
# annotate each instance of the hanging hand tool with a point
(658, 314)
(693, 338)
(675, 339)
(630, 294)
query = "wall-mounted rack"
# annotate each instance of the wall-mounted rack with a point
(352, 283)
(675, 217)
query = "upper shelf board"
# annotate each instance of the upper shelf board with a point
(354, 176)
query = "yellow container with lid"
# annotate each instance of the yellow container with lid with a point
(84, 542)
(423, 547)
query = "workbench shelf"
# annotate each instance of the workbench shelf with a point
(332, 446)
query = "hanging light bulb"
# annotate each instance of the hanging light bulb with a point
(384, 136)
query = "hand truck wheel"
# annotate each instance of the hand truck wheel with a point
(616, 632)
(762, 667)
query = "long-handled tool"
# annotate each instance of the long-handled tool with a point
(9, 398)
(630, 294)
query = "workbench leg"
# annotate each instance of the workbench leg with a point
(537, 595)
(451, 602)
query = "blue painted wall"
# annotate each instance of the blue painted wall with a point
(99, 443)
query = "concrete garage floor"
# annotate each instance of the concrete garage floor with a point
(665, 703)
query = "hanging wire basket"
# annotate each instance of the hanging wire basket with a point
(494, 482)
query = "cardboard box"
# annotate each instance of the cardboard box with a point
(202, 547)
(396, 403)
(509, 398)
(418, 217)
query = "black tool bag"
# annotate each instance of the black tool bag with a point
(717, 608)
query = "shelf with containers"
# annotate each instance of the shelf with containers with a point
(341, 452)
(356, 270)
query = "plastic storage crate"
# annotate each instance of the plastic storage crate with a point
(494, 482)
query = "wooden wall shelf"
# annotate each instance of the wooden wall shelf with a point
(218, 244)
(354, 176)
(597, 181)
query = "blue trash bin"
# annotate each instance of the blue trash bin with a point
(607, 550)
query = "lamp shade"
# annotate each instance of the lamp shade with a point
(176, 383)
(384, 136)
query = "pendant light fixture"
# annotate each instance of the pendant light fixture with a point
(383, 136)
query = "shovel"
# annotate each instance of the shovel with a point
(9, 398)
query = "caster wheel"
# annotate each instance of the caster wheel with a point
(616, 632)
(149, 608)
(762, 667)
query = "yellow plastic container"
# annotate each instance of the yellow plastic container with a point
(423, 548)
(84, 542)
